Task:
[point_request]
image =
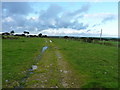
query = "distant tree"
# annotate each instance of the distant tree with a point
(44, 35)
(26, 32)
(40, 35)
(19, 35)
(5, 33)
(12, 32)
(66, 37)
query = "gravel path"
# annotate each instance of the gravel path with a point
(68, 75)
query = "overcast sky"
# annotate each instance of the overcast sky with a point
(61, 18)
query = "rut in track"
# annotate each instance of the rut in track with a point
(53, 71)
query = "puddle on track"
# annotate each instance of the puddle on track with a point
(31, 70)
(44, 48)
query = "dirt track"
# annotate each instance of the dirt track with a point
(53, 71)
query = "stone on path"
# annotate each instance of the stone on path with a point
(50, 41)
(34, 67)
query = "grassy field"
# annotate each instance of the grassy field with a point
(109, 43)
(99, 63)
(17, 56)
(54, 72)
(76, 63)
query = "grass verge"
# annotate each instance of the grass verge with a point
(17, 56)
(98, 62)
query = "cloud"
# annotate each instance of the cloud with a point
(15, 17)
(48, 18)
(78, 26)
(56, 17)
(13, 21)
(105, 17)
(69, 19)
(8, 19)
(15, 8)
(69, 32)
(83, 9)
(96, 25)
(108, 18)
(52, 11)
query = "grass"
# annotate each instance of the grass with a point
(96, 65)
(17, 56)
(47, 75)
(110, 43)
(98, 62)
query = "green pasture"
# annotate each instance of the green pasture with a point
(99, 63)
(17, 56)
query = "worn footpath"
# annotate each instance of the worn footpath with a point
(53, 71)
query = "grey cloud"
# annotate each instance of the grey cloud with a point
(53, 17)
(52, 11)
(78, 26)
(88, 30)
(84, 8)
(96, 25)
(18, 21)
(49, 17)
(18, 12)
(11, 8)
(108, 18)
(68, 16)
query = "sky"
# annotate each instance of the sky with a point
(61, 18)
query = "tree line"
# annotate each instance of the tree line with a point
(25, 33)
